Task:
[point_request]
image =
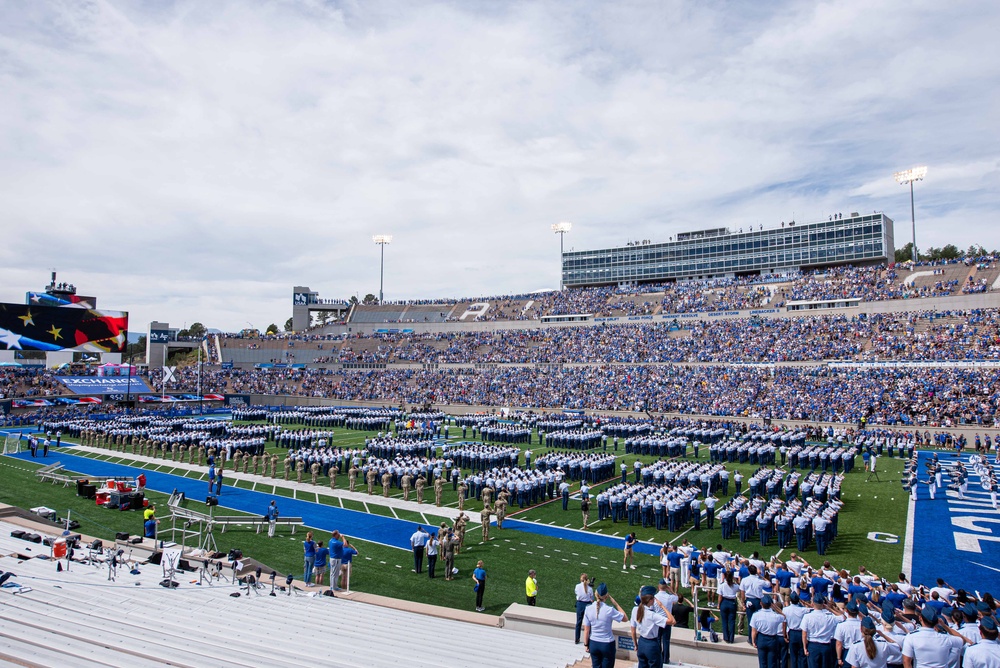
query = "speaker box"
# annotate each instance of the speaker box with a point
(32, 538)
(121, 535)
(88, 491)
(17, 533)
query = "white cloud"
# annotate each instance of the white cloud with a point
(194, 161)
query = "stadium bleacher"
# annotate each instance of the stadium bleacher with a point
(134, 621)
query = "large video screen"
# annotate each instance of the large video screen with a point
(52, 328)
(45, 299)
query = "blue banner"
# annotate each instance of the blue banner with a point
(105, 384)
(161, 336)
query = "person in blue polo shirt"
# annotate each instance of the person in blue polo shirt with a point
(675, 558)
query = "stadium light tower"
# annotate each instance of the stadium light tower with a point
(561, 229)
(904, 178)
(382, 240)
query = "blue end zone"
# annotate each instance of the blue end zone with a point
(352, 523)
(954, 539)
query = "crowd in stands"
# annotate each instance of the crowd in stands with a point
(28, 382)
(872, 283)
(909, 336)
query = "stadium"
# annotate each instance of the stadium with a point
(748, 415)
(708, 415)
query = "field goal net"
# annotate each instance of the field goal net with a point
(12, 444)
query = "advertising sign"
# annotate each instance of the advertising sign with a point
(105, 384)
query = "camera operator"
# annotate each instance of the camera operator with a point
(584, 597)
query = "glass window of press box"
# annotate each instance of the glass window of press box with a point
(850, 240)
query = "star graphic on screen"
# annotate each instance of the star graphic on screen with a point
(10, 339)
(55, 332)
(36, 298)
(28, 320)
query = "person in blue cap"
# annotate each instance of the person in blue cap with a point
(969, 627)
(794, 612)
(892, 628)
(927, 648)
(649, 616)
(598, 638)
(985, 653)
(768, 633)
(848, 631)
(818, 628)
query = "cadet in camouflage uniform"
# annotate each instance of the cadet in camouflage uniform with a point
(485, 515)
(438, 489)
(462, 489)
(501, 510)
(421, 483)
(386, 482)
(300, 467)
(406, 482)
(314, 470)
(370, 479)
(460, 530)
(352, 477)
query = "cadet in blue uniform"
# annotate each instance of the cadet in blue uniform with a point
(818, 628)
(793, 618)
(598, 639)
(768, 633)
(649, 616)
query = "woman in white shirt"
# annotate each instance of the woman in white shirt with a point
(598, 638)
(728, 591)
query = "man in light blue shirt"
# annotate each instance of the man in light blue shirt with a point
(818, 628)
(417, 542)
(768, 633)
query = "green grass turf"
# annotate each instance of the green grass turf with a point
(509, 554)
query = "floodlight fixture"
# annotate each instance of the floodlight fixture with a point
(906, 178)
(561, 229)
(382, 240)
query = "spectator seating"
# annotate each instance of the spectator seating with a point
(122, 631)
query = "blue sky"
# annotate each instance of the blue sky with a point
(193, 161)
